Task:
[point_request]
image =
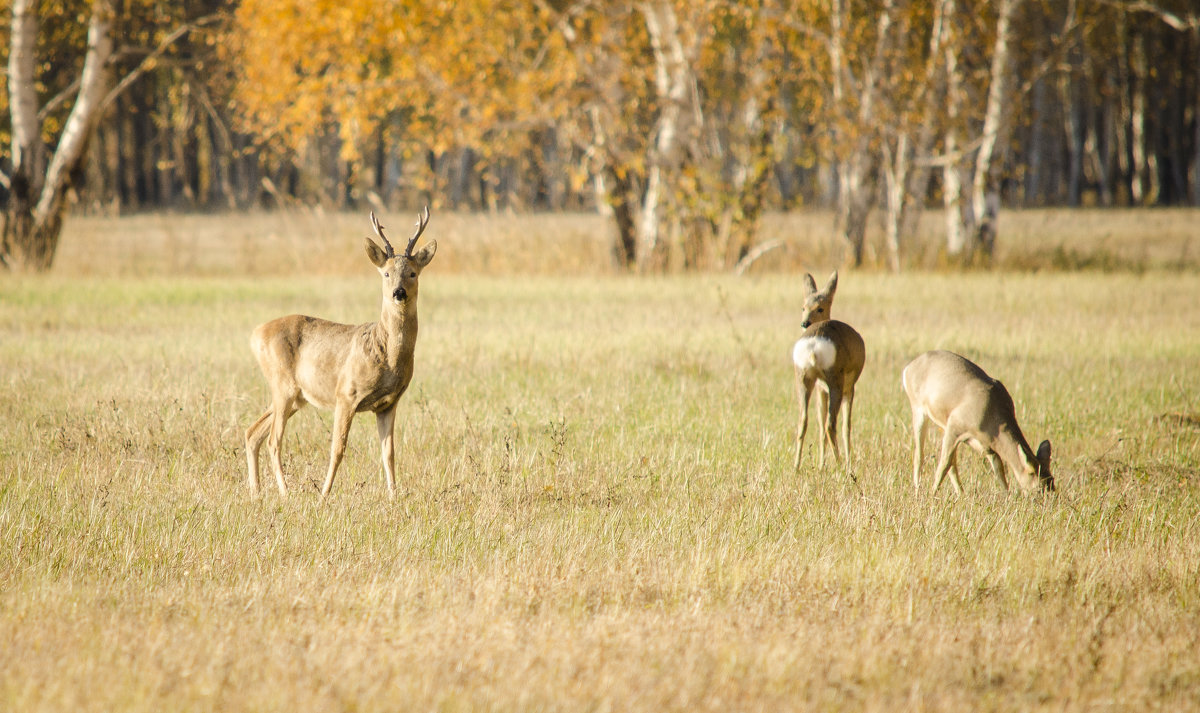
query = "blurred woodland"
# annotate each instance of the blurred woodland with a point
(682, 120)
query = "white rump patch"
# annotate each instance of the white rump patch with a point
(814, 351)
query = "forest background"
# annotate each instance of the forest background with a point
(681, 121)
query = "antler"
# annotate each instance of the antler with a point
(379, 231)
(422, 221)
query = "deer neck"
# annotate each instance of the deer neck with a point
(396, 331)
(1012, 448)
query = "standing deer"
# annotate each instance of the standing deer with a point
(344, 367)
(828, 356)
(968, 405)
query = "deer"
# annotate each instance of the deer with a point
(828, 358)
(346, 368)
(972, 407)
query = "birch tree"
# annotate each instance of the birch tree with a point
(910, 132)
(681, 145)
(867, 116)
(985, 189)
(970, 175)
(48, 141)
(39, 179)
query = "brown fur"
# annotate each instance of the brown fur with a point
(972, 407)
(347, 368)
(835, 380)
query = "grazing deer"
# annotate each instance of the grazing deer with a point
(968, 405)
(828, 356)
(344, 367)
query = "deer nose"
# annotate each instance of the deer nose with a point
(400, 294)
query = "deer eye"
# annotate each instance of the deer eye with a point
(412, 274)
(385, 274)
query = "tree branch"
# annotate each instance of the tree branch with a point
(151, 59)
(1182, 24)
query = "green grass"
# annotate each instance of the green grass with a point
(596, 505)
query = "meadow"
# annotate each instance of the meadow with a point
(596, 505)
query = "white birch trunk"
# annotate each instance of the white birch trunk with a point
(953, 205)
(907, 179)
(896, 162)
(81, 122)
(984, 190)
(672, 81)
(27, 152)
(1142, 172)
(952, 199)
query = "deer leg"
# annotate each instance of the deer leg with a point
(803, 391)
(953, 473)
(946, 459)
(282, 411)
(822, 422)
(384, 423)
(254, 437)
(849, 406)
(918, 427)
(835, 405)
(343, 414)
(997, 468)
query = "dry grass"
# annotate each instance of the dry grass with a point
(597, 509)
(316, 242)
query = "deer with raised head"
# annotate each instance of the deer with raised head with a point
(347, 368)
(970, 407)
(828, 358)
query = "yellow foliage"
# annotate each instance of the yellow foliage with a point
(307, 64)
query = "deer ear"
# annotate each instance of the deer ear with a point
(422, 257)
(810, 285)
(374, 252)
(832, 286)
(1043, 453)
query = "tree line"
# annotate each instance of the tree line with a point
(682, 120)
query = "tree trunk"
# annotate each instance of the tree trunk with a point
(739, 217)
(854, 207)
(673, 81)
(1195, 165)
(985, 189)
(1143, 169)
(33, 216)
(906, 177)
(27, 150)
(896, 175)
(622, 199)
(856, 169)
(615, 189)
(959, 222)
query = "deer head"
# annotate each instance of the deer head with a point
(817, 303)
(400, 272)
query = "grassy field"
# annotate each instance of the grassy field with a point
(596, 506)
